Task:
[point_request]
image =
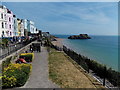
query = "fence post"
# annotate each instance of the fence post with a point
(88, 65)
(8, 49)
(104, 76)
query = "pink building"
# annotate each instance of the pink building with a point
(10, 23)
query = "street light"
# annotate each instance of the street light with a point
(15, 48)
(8, 49)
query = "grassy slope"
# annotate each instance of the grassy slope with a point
(66, 73)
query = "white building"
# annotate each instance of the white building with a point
(35, 30)
(25, 27)
(30, 26)
(3, 22)
(15, 31)
(25, 23)
(6, 22)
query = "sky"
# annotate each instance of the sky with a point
(93, 18)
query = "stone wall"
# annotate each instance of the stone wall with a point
(16, 53)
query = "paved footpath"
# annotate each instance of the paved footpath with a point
(39, 77)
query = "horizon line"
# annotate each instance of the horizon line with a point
(59, 0)
(88, 34)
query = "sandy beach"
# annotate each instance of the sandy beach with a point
(59, 42)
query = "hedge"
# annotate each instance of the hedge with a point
(15, 75)
(28, 56)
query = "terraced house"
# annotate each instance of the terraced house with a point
(3, 22)
(10, 23)
(6, 22)
(15, 31)
(20, 27)
(25, 27)
(13, 27)
(30, 26)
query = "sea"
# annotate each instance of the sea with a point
(103, 49)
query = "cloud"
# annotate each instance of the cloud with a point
(69, 17)
(70, 12)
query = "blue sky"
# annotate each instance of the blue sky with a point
(94, 18)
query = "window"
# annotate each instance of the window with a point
(2, 32)
(10, 33)
(5, 16)
(2, 15)
(9, 19)
(10, 26)
(6, 25)
(2, 25)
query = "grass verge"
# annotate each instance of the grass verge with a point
(67, 73)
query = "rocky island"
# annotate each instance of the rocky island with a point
(81, 36)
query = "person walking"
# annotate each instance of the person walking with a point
(31, 48)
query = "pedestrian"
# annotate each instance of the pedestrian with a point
(39, 48)
(31, 48)
(41, 43)
(26, 51)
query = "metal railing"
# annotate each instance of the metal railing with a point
(13, 48)
(10, 49)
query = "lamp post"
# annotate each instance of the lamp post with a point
(15, 48)
(104, 75)
(8, 49)
(1, 46)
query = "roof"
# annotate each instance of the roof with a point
(1, 6)
(14, 15)
(8, 11)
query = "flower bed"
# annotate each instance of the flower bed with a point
(15, 75)
(27, 56)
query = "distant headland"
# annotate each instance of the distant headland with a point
(80, 36)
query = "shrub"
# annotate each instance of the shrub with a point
(28, 56)
(15, 75)
(6, 62)
(8, 81)
(5, 42)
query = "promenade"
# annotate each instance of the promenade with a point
(39, 77)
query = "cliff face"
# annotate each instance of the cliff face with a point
(81, 36)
